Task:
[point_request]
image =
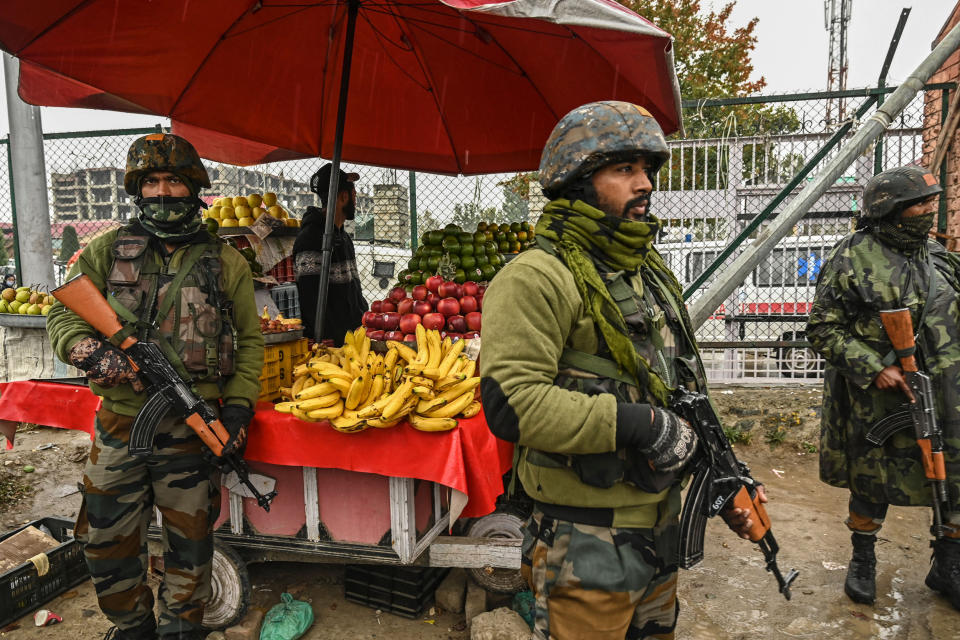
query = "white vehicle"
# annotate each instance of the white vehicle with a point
(771, 305)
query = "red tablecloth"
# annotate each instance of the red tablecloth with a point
(469, 459)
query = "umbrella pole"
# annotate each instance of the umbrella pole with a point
(327, 247)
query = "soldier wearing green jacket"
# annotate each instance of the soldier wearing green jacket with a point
(888, 263)
(583, 339)
(190, 293)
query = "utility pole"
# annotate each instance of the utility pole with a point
(836, 16)
(32, 210)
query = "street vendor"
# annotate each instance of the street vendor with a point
(602, 458)
(192, 295)
(889, 262)
(345, 301)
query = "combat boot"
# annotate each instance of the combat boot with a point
(944, 573)
(861, 584)
(146, 631)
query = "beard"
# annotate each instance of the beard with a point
(624, 212)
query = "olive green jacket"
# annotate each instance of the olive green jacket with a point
(65, 328)
(531, 312)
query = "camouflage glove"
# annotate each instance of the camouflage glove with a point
(673, 441)
(103, 363)
(235, 418)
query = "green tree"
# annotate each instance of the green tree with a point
(69, 243)
(4, 256)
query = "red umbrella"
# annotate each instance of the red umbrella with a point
(461, 86)
(449, 86)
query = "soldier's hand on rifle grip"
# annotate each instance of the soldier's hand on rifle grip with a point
(891, 378)
(235, 419)
(672, 441)
(104, 364)
(739, 520)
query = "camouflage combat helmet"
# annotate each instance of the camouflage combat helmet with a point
(595, 135)
(894, 189)
(163, 152)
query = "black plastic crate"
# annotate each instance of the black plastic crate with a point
(287, 300)
(404, 591)
(22, 590)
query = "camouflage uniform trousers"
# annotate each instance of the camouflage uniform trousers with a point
(601, 583)
(119, 494)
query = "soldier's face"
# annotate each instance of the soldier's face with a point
(927, 206)
(163, 183)
(623, 189)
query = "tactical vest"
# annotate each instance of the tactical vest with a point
(591, 374)
(184, 311)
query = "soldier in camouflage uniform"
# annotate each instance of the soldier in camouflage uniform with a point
(889, 262)
(579, 375)
(192, 294)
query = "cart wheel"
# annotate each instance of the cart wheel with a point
(798, 362)
(499, 524)
(230, 589)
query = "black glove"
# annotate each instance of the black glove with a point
(668, 441)
(103, 363)
(235, 418)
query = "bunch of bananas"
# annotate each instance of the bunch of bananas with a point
(354, 388)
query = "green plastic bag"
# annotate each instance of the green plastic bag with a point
(288, 620)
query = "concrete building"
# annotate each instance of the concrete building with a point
(94, 193)
(391, 222)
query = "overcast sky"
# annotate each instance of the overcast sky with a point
(791, 52)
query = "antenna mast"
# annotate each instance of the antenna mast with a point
(836, 16)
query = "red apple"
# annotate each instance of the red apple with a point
(470, 288)
(387, 305)
(470, 335)
(473, 320)
(449, 290)
(457, 323)
(393, 335)
(405, 306)
(376, 334)
(410, 337)
(448, 307)
(375, 306)
(409, 322)
(420, 292)
(390, 320)
(433, 299)
(397, 294)
(368, 319)
(468, 304)
(433, 283)
(422, 307)
(479, 303)
(483, 289)
(434, 321)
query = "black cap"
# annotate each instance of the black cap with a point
(320, 181)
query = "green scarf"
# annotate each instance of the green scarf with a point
(583, 237)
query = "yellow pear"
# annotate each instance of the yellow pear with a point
(254, 200)
(224, 202)
(269, 198)
(23, 296)
(243, 211)
(245, 221)
(14, 306)
(34, 296)
(23, 308)
(227, 212)
(4, 307)
(259, 211)
(33, 310)
(213, 212)
(229, 222)
(44, 310)
(277, 212)
(292, 222)
(239, 201)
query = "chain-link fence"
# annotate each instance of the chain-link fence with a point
(737, 157)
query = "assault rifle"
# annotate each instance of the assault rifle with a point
(921, 413)
(720, 482)
(166, 391)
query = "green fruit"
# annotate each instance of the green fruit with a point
(515, 226)
(490, 248)
(481, 226)
(212, 225)
(493, 227)
(487, 272)
(460, 276)
(45, 310)
(512, 237)
(28, 469)
(424, 263)
(33, 310)
(451, 243)
(14, 306)
(432, 263)
(435, 237)
(413, 263)
(468, 262)
(482, 259)
(452, 228)
(416, 277)
(23, 295)
(465, 238)
(466, 249)
(4, 307)
(22, 309)
(496, 260)
(504, 246)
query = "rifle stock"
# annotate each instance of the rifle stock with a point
(81, 296)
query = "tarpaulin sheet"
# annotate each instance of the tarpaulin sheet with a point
(468, 459)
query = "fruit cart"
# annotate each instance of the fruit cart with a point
(381, 497)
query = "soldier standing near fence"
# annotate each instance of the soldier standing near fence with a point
(889, 262)
(191, 294)
(582, 340)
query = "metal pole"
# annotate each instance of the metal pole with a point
(882, 81)
(33, 233)
(327, 247)
(873, 127)
(413, 210)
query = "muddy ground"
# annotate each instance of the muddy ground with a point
(728, 596)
